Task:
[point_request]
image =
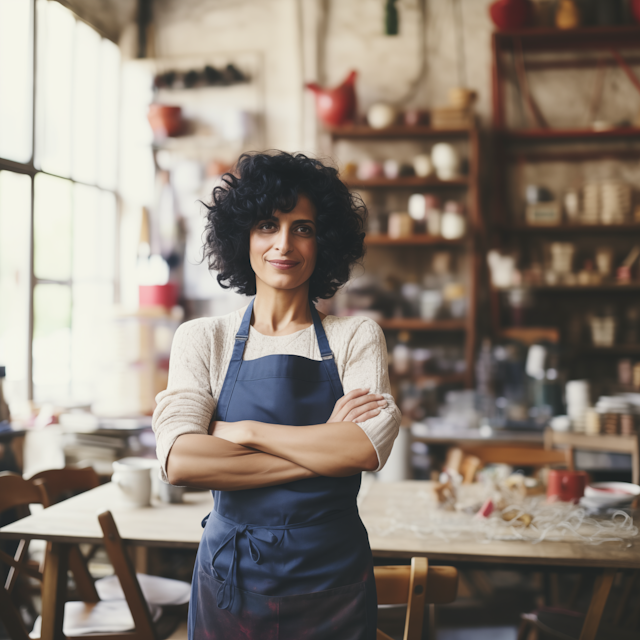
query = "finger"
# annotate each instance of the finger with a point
(371, 406)
(362, 400)
(365, 416)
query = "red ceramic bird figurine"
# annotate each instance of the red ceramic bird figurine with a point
(337, 106)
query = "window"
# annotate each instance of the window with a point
(58, 204)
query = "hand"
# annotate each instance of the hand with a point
(230, 431)
(357, 406)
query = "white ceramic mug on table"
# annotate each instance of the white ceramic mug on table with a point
(133, 479)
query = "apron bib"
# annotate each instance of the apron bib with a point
(291, 561)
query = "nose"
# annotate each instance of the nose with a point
(283, 243)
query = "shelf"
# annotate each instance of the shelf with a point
(569, 229)
(417, 324)
(614, 350)
(409, 182)
(553, 135)
(601, 288)
(417, 239)
(591, 38)
(583, 155)
(362, 132)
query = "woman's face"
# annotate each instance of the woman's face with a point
(283, 249)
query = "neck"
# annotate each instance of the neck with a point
(281, 311)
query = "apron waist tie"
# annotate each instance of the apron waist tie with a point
(226, 592)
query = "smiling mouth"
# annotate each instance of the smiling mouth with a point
(282, 264)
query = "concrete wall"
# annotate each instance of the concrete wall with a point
(337, 36)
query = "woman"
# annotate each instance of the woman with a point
(284, 554)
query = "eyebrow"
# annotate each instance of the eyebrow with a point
(295, 221)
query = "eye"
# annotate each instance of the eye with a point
(305, 229)
(265, 225)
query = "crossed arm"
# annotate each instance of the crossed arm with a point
(250, 454)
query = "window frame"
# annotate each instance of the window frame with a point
(29, 168)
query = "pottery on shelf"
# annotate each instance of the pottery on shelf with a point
(445, 160)
(381, 115)
(511, 14)
(337, 106)
(568, 15)
(165, 120)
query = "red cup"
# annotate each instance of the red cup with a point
(566, 486)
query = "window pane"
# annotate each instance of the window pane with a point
(56, 28)
(16, 79)
(94, 221)
(52, 228)
(15, 218)
(92, 306)
(86, 70)
(51, 342)
(108, 91)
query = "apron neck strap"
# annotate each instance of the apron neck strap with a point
(243, 332)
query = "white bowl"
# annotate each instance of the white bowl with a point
(607, 494)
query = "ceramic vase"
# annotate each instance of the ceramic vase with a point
(511, 14)
(336, 106)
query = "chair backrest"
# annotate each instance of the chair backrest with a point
(416, 586)
(17, 493)
(64, 483)
(125, 571)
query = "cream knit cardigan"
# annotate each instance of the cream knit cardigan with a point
(200, 356)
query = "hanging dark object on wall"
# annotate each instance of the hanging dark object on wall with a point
(391, 18)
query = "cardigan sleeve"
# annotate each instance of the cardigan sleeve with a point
(367, 368)
(187, 405)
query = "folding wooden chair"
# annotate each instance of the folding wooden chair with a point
(415, 586)
(17, 493)
(67, 482)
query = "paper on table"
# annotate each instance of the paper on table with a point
(156, 590)
(100, 617)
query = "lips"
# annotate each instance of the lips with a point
(283, 264)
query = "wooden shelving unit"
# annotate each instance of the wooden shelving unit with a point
(597, 46)
(417, 239)
(422, 242)
(409, 182)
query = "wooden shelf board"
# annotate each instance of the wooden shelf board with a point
(591, 38)
(569, 229)
(583, 155)
(614, 350)
(409, 182)
(549, 135)
(603, 288)
(416, 324)
(396, 131)
(417, 239)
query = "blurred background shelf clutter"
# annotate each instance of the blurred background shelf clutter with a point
(495, 143)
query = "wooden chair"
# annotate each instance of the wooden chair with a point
(17, 493)
(67, 482)
(415, 586)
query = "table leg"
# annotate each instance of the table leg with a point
(54, 591)
(601, 591)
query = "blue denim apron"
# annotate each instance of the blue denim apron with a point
(291, 561)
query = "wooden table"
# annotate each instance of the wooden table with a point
(75, 521)
(402, 499)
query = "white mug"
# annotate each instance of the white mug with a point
(133, 479)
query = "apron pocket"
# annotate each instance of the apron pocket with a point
(253, 616)
(339, 613)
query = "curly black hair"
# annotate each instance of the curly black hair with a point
(260, 185)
